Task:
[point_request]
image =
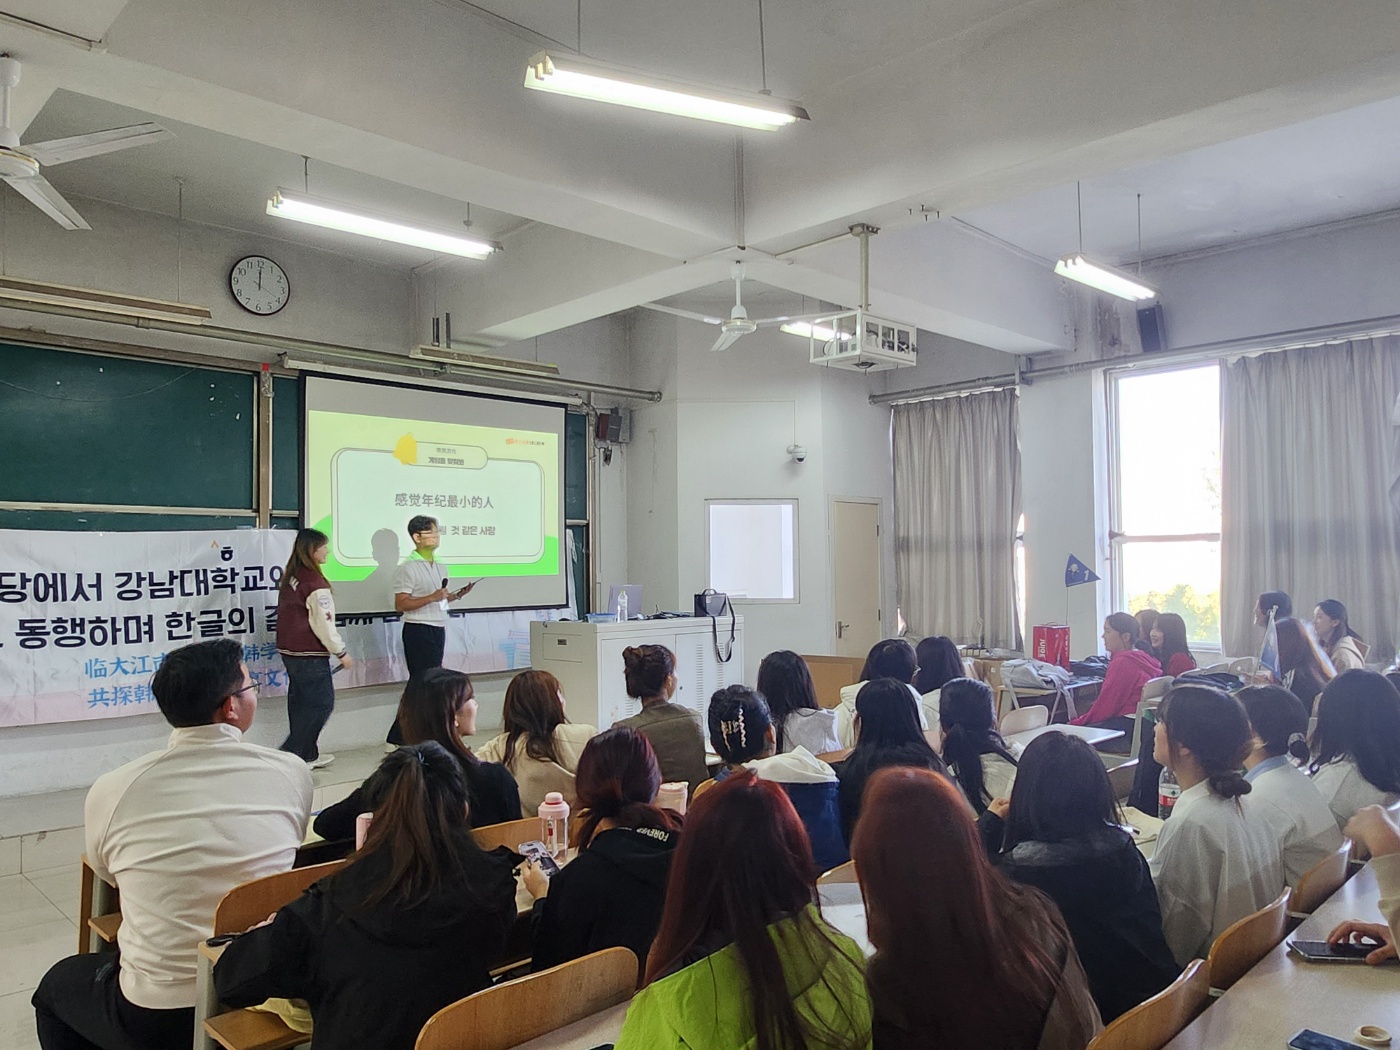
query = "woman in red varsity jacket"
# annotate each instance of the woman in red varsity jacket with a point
(306, 640)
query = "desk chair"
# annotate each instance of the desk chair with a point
(1121, 778)
(509, 1014)
(1152, 692)
(510, 833)
(1246, 942)
(99, 911)
(842, 873)
(1321, 881)
(1022, 718)
(1155, 1023)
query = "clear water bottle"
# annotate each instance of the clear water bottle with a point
(621, 606)
(1168, 791)
(554, 824)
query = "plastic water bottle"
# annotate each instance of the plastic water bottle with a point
(362, 823)
(673, 796)
(621, 606)
(1168, 791)
(554, 824)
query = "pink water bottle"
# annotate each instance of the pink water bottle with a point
(554, 824)
(362, 823)
(672, 796)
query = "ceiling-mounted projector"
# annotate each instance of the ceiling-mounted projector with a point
(862, 342)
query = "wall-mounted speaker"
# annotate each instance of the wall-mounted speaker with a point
(1152, 328)
(614, 426)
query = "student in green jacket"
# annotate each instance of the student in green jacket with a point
(743, 959)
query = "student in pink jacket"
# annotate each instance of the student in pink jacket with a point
(1129, 670)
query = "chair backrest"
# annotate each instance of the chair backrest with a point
(1322, 880)
(243, 907)
(1144, 705)
(1023, 718)
(1155, 1023)
(1155, 688)
(515, 1012)
(1121, 777)
(1246, 942)
(509, 833)
(841, 873)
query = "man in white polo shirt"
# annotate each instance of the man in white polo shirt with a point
(175, 830)
(421, 596)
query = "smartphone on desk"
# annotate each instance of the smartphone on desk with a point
(1307, 1039)
(536, 851)
(1321, 951)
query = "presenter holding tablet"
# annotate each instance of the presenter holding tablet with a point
(421, 595)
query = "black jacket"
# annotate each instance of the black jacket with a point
(1104, 890)
(374, 976)
(492, 795)
(610, 895)
(862, 764)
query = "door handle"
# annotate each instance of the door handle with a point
(841, 628)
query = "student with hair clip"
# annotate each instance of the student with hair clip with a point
(1062, 833)
(540, 746)
(890, 658)
(743, 958)
(673, 730)
(611, 894)
(1342, 645)
(1303, 666)
(1129, 669)
(438, 705)
(1356, 745)
(964, 957)
(1213, 864)
(1282, 796)
(1170, 647)
(972, 747)
(786, 683)
(413, 922)
(306, 641)
(939, 663)
(742, 734)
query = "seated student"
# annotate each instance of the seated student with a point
(742, 733)
(1375, 831)
(176, 830)
(1272, 603)
(412, 923)
(1303, 667)
(540, 746)
(1282, 795)
(964, 957)
(1062, 834)
(891, 658)
(1213, 864)
(1342, 645)
(610, 895)
(972, 748)
(1170, 647)
(1356, 746)
(786, 683)
(1129, 669)
(438, 705)
(743, 957)
(1147, 623)
(674, 731)
(939, 663)
(888, 734)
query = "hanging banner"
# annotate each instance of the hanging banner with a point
(87, 617)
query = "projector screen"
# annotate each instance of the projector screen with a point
(490, 470)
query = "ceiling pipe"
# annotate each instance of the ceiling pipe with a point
(53, 31)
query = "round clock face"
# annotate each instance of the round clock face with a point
(259, 285)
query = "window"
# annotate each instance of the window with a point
(753, 548)
(1165, 526)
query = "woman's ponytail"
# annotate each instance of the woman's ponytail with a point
(1214, 727)
(1230, 784)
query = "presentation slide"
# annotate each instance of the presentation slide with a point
(490, 470)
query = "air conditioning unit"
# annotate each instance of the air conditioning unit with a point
(860, 341)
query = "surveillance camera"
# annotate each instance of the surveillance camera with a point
(797, 452)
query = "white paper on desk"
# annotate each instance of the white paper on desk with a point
(1147, 827)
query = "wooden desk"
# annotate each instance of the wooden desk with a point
(1088, 734)
(595, 1030)
(1283, 994)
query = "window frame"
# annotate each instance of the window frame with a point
(796, 547)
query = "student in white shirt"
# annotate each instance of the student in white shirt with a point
(1375, 831)
(1212, 865)
(1342, 645)
(176, 830)
(1282, 796)
(975, 752)
(939, 663)
(890, 658)
(1356, 745)
(786, 683)
(540, 746)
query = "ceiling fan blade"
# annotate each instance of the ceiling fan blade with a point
(687, 314)
(726, 340)
(79, 147)
(48, 200)
(768, 322)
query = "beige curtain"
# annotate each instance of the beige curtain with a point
(957, 498)
(1309, 464)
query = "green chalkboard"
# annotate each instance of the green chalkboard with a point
(286, 444)
(575, 466)
(85, 428)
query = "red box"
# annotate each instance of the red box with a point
(1050, 642)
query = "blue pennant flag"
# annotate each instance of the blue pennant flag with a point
(1076, 572)
(1268, 655)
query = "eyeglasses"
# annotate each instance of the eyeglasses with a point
(254, 687)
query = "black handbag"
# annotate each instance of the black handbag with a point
(713, 604)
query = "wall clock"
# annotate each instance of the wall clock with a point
(259, 285)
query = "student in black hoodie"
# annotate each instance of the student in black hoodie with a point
(611, 894)
(412, 923)
(1061, 834)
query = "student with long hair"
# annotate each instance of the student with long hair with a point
(413, 922)
(1356, 745)
(972, 747)
(306, 641)
(673, 731)
(1147, 623)
(939, 663)
(1129, 669)
(742, 734)
(1304, 669)
(1213, 864)
(540, 746)
(888, 735)
(1062, 833)
(1342, 645)
(439, 706)
(611, 894)
(1282, 796)
(964, 957)
(889, 658)
(1170, 647)
(1272, 603)
(786, 683)
(743, 957)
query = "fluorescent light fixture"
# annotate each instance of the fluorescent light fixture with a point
(290, 204)
(490, 362)
(18, 291)
(1104, 278)
(567, 74)
(807, 330)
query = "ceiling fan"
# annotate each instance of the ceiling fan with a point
(738, 324)
(20, 165)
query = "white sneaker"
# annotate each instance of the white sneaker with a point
(320, 761)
